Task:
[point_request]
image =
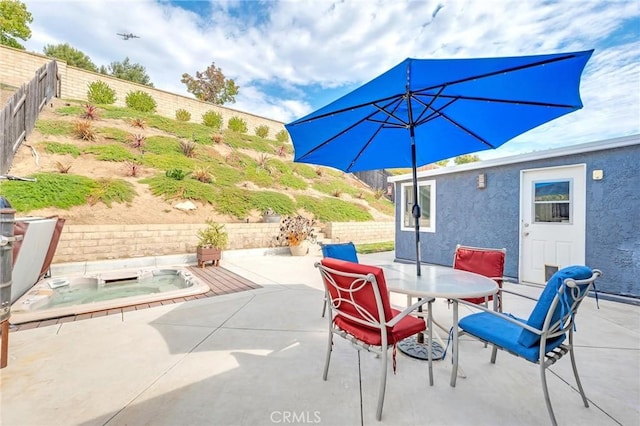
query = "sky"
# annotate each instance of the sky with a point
(290, 58)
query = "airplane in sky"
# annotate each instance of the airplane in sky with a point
(126, 36)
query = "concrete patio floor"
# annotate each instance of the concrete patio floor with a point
(256, 358)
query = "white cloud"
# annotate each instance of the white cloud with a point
(275, 50)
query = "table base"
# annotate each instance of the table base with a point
(411, 347)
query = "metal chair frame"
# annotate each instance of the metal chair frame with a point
(322, 247)
(368, 319)
(549, 331)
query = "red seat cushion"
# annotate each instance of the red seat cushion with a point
(484, 262)
(407, 326)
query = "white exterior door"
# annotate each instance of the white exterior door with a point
(552, 220)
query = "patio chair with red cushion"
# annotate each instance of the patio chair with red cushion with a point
(342, 251)
(361, 313)
(484, 261)
(542, 338)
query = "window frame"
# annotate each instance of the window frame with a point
(432, 206)
(570, 202)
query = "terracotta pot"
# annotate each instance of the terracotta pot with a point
(299, 250)
(207, 254)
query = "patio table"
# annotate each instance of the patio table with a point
(439, 282)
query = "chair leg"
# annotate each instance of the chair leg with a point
(328, 358)
(383, 383)
(486, 305)
(545, 391)
(575, 371)
(494, 352)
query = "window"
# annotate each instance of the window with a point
(552, 201)
(427, 203)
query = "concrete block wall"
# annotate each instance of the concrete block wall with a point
(18, 67)
(79, 243)
(360, 232)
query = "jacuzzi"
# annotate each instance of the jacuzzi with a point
(74, 295)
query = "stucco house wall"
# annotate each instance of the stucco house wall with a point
(490, 217)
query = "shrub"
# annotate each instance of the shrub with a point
(183, 115)
(137, 141)
(237, 124)
(216, 138)
(177, 174)
(262, 131)
(90, 112)
(281, 151)
(202, 174)
(140, 101)
(84, 130)
(132, 168)
(263, 161)
(282, 136)
(138, 122)
(63, 168)
(188, 148)
(212, 119)
(100, 93)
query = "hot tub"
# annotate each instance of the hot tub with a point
(74, 295)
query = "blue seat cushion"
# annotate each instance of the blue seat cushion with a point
(342, 251)
(504, 334)
(536, 319)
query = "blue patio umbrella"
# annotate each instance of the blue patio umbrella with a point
(426, 110)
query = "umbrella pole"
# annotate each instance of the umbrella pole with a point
(416, 347)
(416, 207)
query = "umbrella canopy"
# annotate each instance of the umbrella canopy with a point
(426, 110)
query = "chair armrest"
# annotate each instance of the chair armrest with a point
(408, 310)
(505, 317)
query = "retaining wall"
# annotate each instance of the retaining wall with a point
(79, 243)
(18, 67)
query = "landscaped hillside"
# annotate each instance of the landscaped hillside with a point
(128, 167)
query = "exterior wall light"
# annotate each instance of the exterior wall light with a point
(482, 181)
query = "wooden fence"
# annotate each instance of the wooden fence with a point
(19, 116)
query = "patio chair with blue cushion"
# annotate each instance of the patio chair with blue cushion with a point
(542, 338)
(360, 312)
(342, 251)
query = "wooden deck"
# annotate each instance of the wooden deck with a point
(220, 281)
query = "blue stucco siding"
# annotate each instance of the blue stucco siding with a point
(490, 217)
(469, 216)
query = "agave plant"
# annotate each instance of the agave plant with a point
(188, 148)
(132, 168)
(138, 122)
(202, 174)
(90, 112)
(137, 140)
(83, 129)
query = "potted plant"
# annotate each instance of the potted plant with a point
(295, 232)
(270, 216)
(211, 241)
